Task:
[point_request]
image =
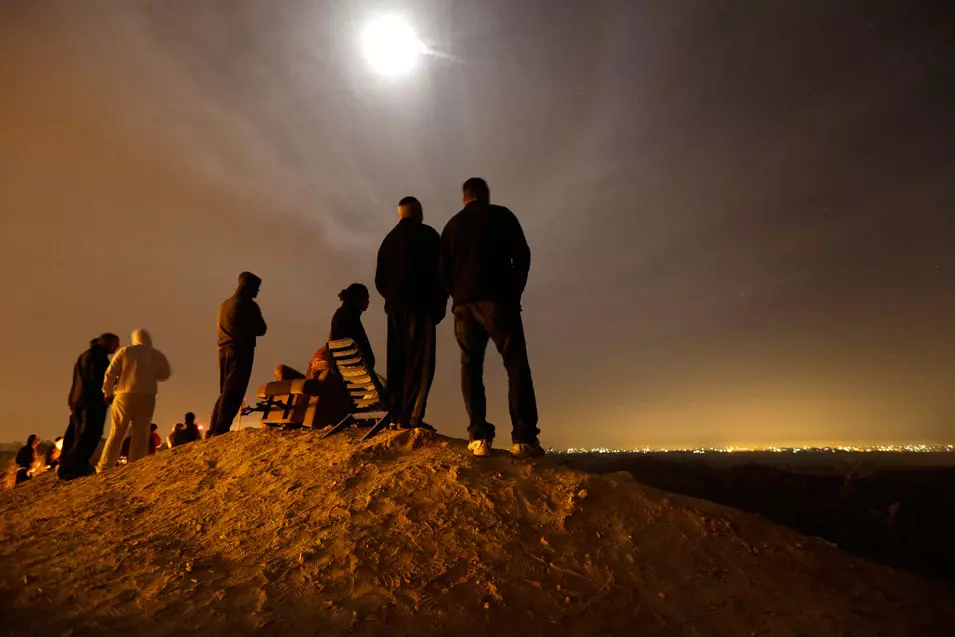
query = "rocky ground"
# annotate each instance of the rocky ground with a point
(263, 532)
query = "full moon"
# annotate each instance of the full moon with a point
(391, 47)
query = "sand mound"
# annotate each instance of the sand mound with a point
(281, 533)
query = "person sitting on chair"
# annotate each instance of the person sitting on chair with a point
(346, 323)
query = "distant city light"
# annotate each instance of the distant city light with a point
(733, 449)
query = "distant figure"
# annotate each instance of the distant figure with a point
(485, 261)
(176, 430)
(240, 323)
(415, 301)
(184, 432)
(26, 459)
(133, 376)
(87, 408)
(155, 442)
(52, 460)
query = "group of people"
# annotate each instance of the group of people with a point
(27, 460)
(127, 385)
(481, 261)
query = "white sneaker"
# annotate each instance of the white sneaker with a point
(480, 448)
(527, 450)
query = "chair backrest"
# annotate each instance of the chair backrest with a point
(362, 385)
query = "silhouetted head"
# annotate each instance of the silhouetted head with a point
(141, 337)
(190, 418)
(355, 296)
(410, 208)
(249, 285)
(153, 427)
(475, 189)
(33, 441)
(109, 342)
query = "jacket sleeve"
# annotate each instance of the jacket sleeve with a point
(162, 369)
(520, 253)
(445, 262)
(383, 270)
(257, 321)
(113, 373)
(439, 291)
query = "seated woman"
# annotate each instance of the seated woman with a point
(346, 323)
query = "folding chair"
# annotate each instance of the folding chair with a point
(366, 395)
(286, 403)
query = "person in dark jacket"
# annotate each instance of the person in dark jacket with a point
(240, 323)
(87, 408)
(26, 459)
(415, 302)
(485, 261)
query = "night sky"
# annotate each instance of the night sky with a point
(742, 214)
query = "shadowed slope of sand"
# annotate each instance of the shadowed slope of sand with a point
(282, 533)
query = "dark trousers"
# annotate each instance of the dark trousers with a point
(411, 362)
(474, 325)
(81, 439)
(235, 370)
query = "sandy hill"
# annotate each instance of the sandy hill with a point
(284, 534)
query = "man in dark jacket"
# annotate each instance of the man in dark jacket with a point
(484, 264)
(240, 323)
(415, 301)
(87, 408)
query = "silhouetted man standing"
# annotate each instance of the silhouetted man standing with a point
(485, 261)
(240, 323)
(87, 408)
(415, 301)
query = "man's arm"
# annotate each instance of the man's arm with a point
(446, 259)
(520, 252)
(383, 270)
(440, 294)
(163, 371)
(259, 328)
(113, 372)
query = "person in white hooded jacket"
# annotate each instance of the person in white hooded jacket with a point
(131, 382)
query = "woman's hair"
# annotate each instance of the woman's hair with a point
(352, 293)
(32, 439)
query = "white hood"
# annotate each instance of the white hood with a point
(141, 337)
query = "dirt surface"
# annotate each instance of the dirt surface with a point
(261, 532)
